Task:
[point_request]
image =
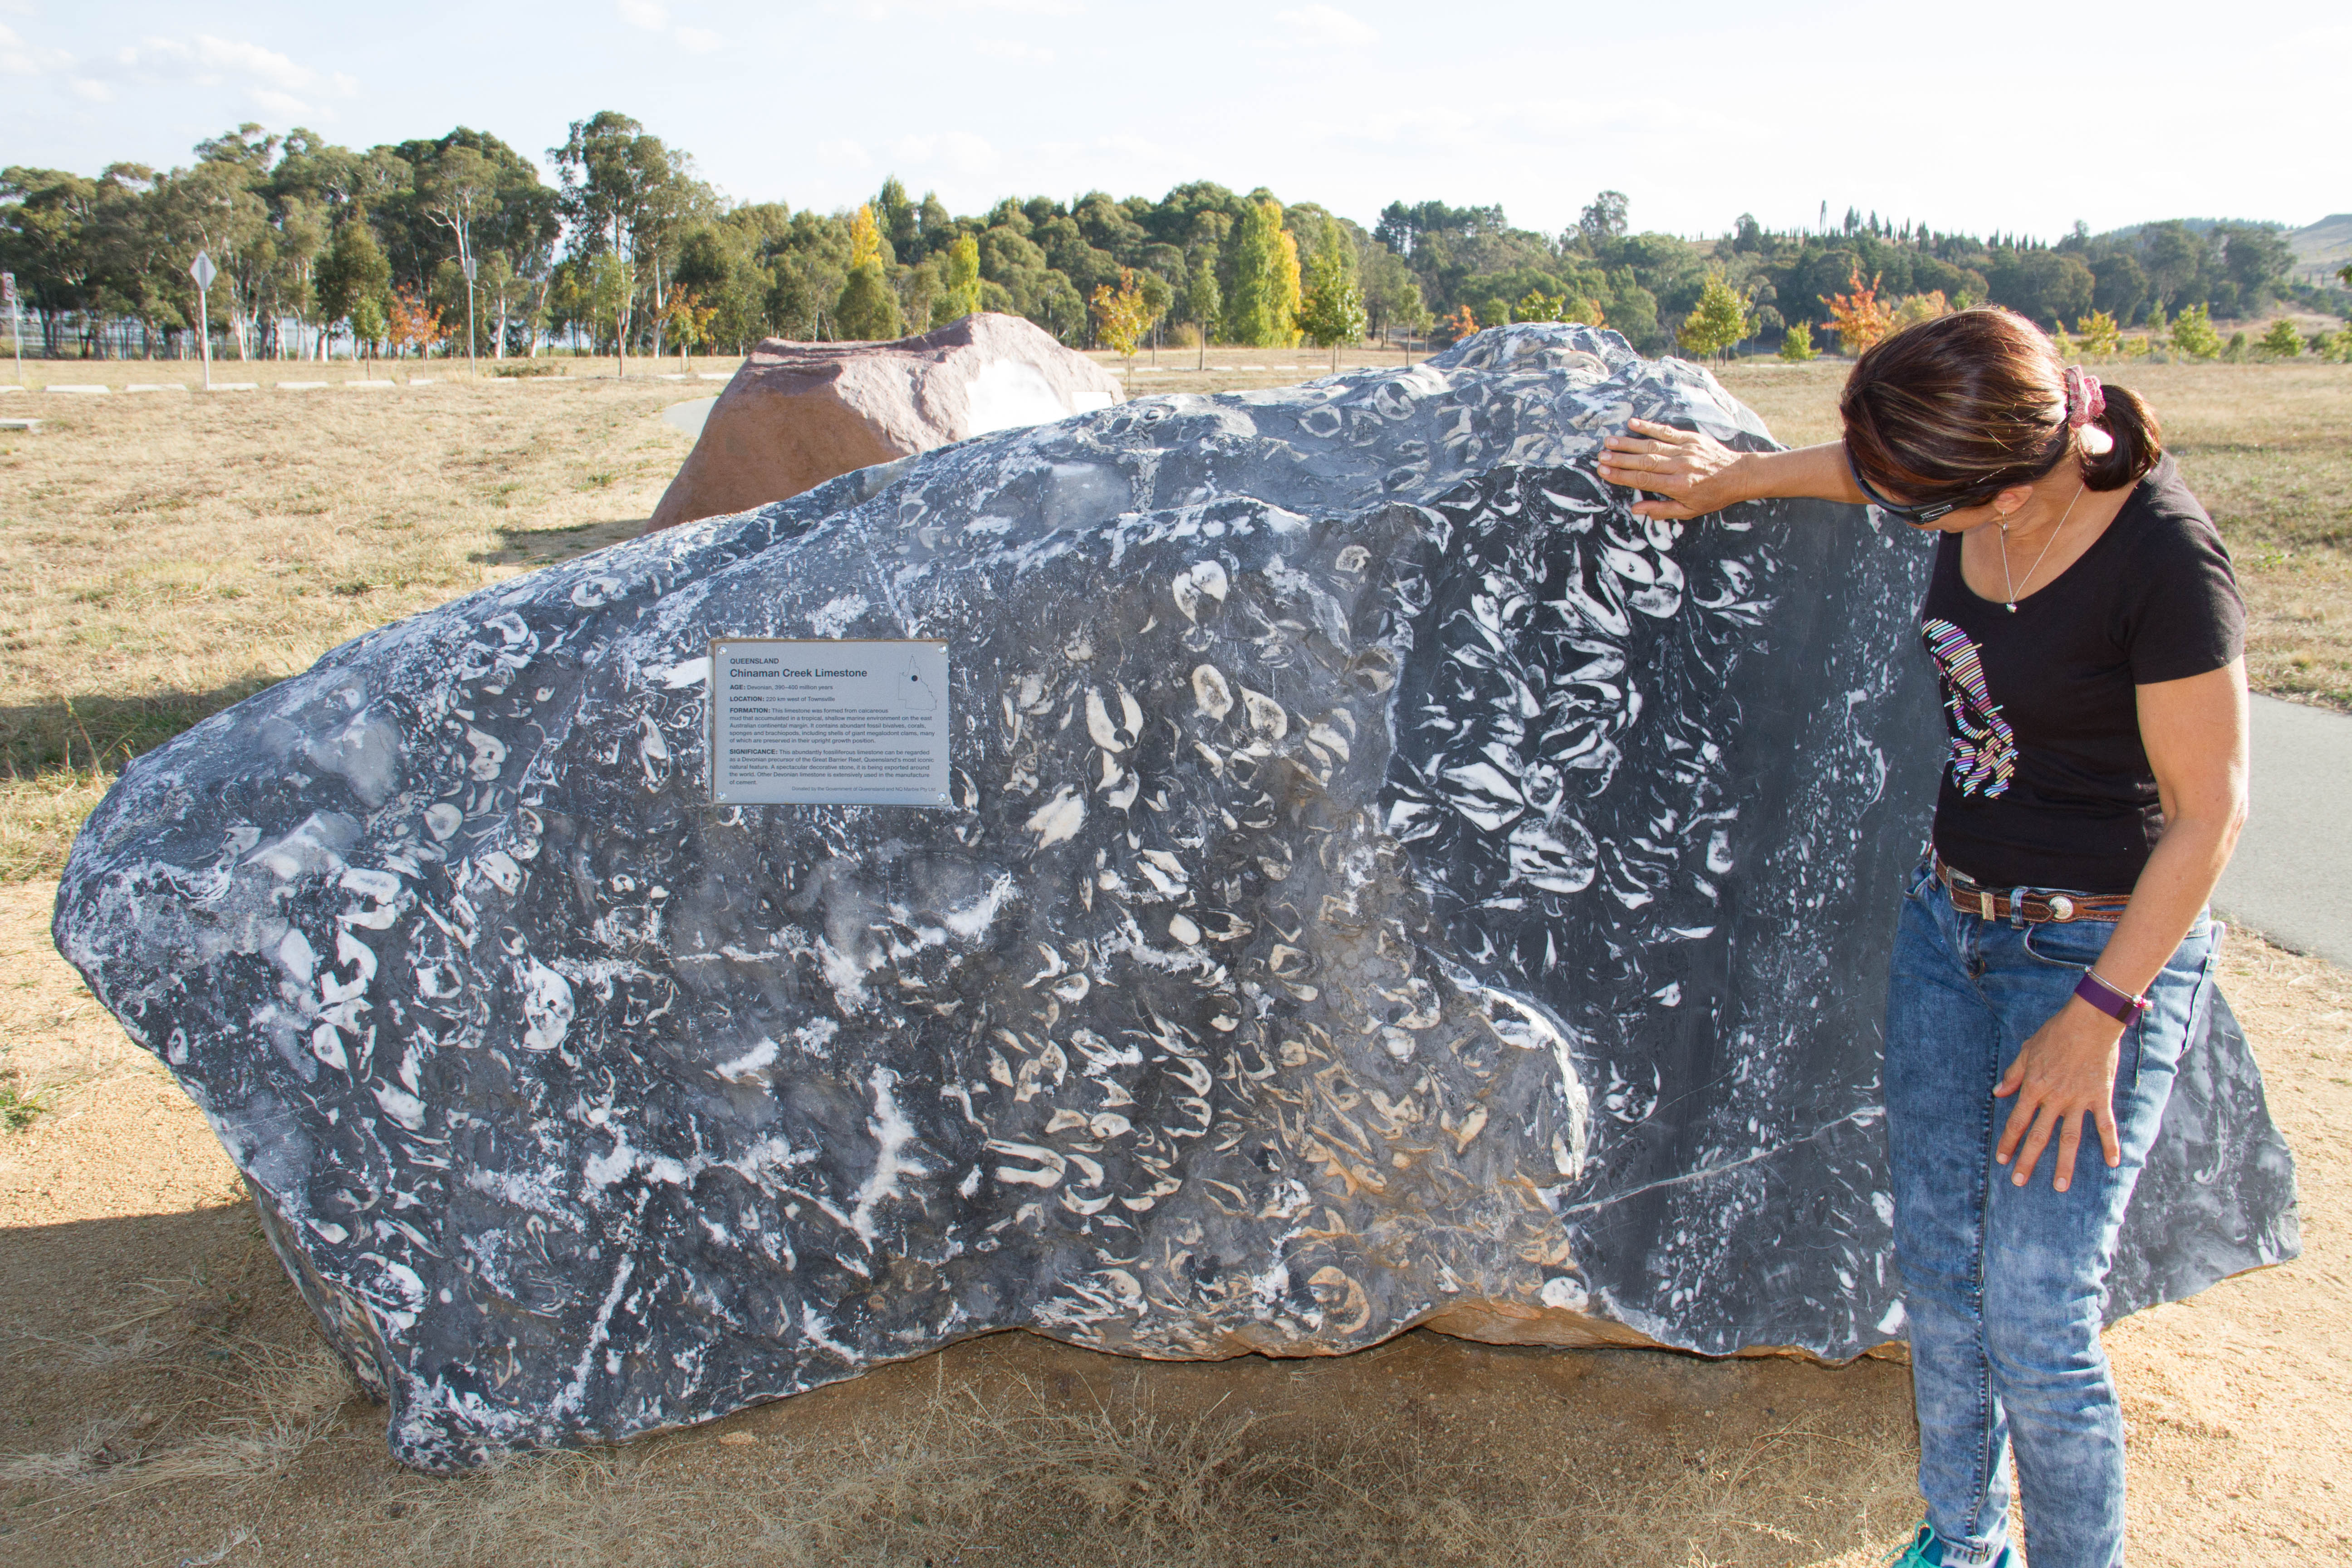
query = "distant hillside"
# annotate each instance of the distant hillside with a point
(2193, 225)
(2322, 248)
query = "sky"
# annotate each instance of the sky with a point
(2021, 118)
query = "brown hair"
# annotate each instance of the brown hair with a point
(1961, 408)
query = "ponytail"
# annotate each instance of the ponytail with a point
(2136, 442)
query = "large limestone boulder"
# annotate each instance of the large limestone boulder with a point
(1383, 882)
(797, 414)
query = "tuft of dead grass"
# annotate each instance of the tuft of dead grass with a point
(1009, 1473)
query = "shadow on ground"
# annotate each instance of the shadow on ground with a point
(167, 1398)
(84, 730)
(541, 546)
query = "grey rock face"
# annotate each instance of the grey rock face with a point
(1387, 883)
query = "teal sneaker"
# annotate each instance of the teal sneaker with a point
(1928, 1550)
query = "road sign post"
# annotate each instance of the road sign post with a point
(203, 272)
(470, 365)
(15, 321)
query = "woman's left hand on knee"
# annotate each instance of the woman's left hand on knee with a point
(2064, 1075)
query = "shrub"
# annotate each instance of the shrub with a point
(1797, 343)
(2100, 334)
(2193, 333)
(2281, 341)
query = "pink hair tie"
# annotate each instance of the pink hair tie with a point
(2087, 400)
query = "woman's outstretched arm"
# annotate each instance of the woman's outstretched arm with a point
(1687, 473)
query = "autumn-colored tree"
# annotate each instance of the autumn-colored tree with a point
(1587, 310)
(1720, 319)
(868, 309)
(1122, 316)
(1261, 310)
(2102, 338)
(865, 238)
(1914, 308)
(1458, 323)
(1858, 317)
(1535, 305)
(690, 318)
(415, 323)
(960, 296)
(1797, 343)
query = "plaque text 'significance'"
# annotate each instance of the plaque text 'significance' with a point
(828, 723)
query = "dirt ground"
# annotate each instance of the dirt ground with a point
(163, 1399)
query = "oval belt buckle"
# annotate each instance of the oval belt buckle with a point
(2061, 908)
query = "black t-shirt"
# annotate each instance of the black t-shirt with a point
(2047, 784)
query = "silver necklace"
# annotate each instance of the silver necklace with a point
(2030, 570)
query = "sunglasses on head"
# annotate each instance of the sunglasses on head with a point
(1917, 515)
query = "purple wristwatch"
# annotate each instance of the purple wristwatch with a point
(2113, 1000)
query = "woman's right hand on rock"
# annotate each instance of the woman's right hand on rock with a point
(1685, 473)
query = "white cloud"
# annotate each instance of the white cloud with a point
(960, 150)
(18, 58)
(1134, 146)
(654, 17)
(1325, 28)
(253, 61)
(847, 153)
(277, 84)
(883, 9)
(1014, 50)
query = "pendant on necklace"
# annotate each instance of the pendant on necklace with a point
(2012, 607)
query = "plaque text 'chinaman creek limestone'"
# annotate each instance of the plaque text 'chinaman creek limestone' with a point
(828, 723)
(1383, 881)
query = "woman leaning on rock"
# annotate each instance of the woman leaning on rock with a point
(2055, 949)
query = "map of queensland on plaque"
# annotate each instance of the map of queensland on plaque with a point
(1382, 882)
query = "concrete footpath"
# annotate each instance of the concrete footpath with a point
(2291, 877)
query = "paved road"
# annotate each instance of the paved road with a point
(689, 416)
(2291, 877)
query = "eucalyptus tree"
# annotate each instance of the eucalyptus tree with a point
(626, 194)
(212, 208)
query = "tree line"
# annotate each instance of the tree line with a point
(458, 241)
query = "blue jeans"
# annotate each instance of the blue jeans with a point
(2005, 1286)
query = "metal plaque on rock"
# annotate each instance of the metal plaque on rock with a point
(809, 723)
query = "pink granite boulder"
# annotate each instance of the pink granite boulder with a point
(797, 414)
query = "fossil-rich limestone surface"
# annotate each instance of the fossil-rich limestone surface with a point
(796, 415)
(1386, 883)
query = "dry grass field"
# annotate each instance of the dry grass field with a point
(163, 1399)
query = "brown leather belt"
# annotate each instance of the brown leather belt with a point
(2031, 905)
